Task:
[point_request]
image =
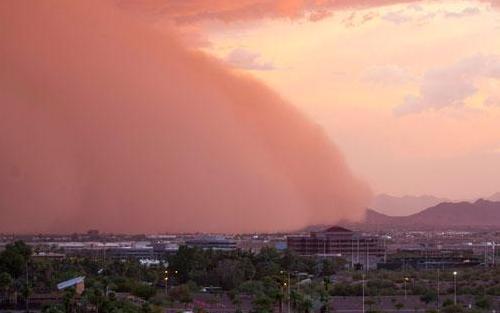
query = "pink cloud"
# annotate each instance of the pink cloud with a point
(244, 59)
(229, 10)
(451, 86)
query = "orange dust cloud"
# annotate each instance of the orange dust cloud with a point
(109, 123)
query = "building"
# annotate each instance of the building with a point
(337, 241)
(133, 252)
(48, 255)
(221, 244)
(429, 258)
(77, 282)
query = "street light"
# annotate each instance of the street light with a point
(287, 285)
(166, 282)
(455, 286)
(437, 298)
(166, 279)
(405, 281)
(363, 287)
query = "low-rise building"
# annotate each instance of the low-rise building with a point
(337, 241)
(217, 243)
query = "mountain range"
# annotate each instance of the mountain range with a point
(405, 205)
(408, 205)
(495, 197)
(480, 213)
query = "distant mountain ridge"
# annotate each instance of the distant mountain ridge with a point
(405, 205)
(495, 197)
(447, 214)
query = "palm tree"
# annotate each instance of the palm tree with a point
(68, 299)
(306, 304)
(6, 283)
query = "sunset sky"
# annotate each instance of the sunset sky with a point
(409, 91)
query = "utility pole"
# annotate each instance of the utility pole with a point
(485, 254)
(385, 251)
(289, 300)
(367, 255)
(437, 303)
(27, 290)
(455, 287)
(357, 257)
(363, 287)
(352, 254)
(494, 254)
(166, 282)
(405, 280)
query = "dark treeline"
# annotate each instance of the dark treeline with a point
(261, 282)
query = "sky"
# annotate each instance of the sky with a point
(241, 116)
(409, 91)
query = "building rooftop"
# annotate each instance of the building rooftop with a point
(336, 229)
(70, 283)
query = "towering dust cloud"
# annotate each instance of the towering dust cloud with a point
(108, 123)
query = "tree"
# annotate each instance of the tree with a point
(448, 302)
(453, 308)
(181, 293)
(428, 296)
(325, 296)
(68, 299)
(146, 308)
(369, 303)
(327, 267)
(6, 282)
(55, 308)
(144, 291)
(183, 262)
(95, 297)
(262, 304)
(399, 306)
(14, 258)
(306, 304)
(483, 302)
(230, 273)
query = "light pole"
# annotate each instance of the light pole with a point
(363, 288)
(27, 290)
(287, 285)
(494, 254)
(166, 280)
(455, 286)
(437, 298)
(405, 281)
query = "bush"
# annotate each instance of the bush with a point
(144, 291)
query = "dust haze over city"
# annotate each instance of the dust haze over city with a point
(111, 124)
(159, 116)
(249, 156)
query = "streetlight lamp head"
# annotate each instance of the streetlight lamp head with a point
(455, 273)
